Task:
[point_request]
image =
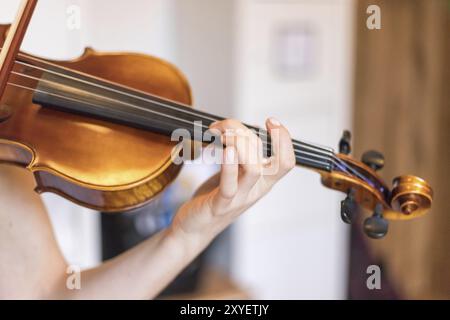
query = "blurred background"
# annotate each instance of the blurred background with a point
(319, 68)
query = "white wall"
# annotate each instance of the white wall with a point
(293, 243)
(204, 52)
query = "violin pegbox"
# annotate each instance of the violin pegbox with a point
(409, 198)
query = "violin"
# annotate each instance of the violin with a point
(95, 130)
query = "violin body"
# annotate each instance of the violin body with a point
(97, 164)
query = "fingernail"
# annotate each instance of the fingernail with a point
(274, 122)
(229, 155)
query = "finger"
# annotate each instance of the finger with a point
(249, 150)
(248, 145)
(250, 158)
(229, 174)
(283, 157)
(227, 124)
(228, 130)
(231, 129)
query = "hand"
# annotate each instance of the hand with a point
(245, 177)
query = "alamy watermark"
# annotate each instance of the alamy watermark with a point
(374, 280)
(73, 21)
(373, 21)
(73, 281)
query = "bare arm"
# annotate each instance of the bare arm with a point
(31, 265)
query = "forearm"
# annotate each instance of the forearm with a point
(139, 273)
(145, 270)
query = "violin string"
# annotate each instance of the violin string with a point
(337, 161)
(183, 108)
(297, 152)
(262, 133)
(300, 154)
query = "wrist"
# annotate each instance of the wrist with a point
(188, 244)
(195, 225)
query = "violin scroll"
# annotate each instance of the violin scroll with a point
(411, 195)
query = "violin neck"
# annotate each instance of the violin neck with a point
(93, 97)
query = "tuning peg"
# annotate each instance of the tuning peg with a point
(376, 226)
(348, 207)
(344, 143)
(373, 159)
